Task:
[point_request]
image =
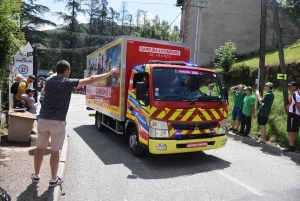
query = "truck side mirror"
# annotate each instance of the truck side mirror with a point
(141, 95)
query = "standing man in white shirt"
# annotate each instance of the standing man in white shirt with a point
(293, 120)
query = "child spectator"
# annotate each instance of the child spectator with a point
(30, 101)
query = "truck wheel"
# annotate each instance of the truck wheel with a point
(134, 143)
(99, 126)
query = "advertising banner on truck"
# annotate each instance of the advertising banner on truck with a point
(140, 52)
(106, 92)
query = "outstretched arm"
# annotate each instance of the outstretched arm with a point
(96, 78)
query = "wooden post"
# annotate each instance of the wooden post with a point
(280, 52)
(263, 43)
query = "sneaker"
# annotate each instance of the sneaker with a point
(260, 141)
(35, 179)
(289, 149)
(55, 183)
(231, 129)
(239, 133)
(235, 131)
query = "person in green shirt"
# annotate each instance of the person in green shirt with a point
(239, 96)
(248, 111)
(264, 110)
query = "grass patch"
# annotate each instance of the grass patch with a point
(291, 54)
(276, 127)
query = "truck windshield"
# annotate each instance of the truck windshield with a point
(186, 85)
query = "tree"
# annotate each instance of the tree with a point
(92, 10)
(70, 40)
(138, 16)
(11, 36)
(31, 19)
(157, 29)
(226, 56)
(123, 13)
(130, 20)
(103, 14)
(292, 6)
(145, 15)
(113, 15)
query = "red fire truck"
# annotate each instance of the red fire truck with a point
(158, 101)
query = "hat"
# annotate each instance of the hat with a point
(32, 77)
(293, 84)
(29, 90)
(249, 88)
(269, 84)
(241, 86)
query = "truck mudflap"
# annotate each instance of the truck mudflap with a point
(157, 146)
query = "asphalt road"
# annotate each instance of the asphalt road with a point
(101, 167)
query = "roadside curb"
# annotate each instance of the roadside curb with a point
(55, 193)
(266, 146)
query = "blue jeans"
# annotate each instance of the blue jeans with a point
(237, 114)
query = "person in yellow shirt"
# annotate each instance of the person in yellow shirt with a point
(23, 86)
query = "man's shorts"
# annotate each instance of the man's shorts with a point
(55, 129)
(262, 121)
(293, 122)
(237, 114)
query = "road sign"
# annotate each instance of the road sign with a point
(281, 76)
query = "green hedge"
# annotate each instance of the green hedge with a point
(246, 75)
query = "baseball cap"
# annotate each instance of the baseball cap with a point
(270, 84)
(293, 84)
(249, 88)
(29, 90)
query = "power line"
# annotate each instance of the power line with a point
(141, 3)
(179, 14)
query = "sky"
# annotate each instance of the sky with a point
(165, 9)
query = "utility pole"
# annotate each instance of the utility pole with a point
(280, 51)
(35, 66)
(263, 43)
(201, 4)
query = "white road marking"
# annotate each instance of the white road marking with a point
(249, 188)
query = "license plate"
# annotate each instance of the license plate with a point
(196, 144)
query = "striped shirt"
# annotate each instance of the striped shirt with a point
(294, 99)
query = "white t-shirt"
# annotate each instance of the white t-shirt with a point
(294, 99)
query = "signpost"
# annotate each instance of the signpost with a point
(281, 76)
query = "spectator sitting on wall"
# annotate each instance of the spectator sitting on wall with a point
(23, 86)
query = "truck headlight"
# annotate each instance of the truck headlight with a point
(158, 129)
(223, 126)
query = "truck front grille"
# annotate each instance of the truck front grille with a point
(186, 126)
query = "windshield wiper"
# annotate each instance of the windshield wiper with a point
(180, 97)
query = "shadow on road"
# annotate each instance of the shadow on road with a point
(111, 149)
(31, 194)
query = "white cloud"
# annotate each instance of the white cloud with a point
(82, 19)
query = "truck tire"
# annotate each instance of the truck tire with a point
(134, 143)
(98, 124)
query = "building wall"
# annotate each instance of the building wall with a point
(235, 20)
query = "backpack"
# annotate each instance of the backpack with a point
(14, 87)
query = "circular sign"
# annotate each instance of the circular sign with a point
(23, 69)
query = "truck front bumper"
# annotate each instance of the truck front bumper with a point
(157, 146)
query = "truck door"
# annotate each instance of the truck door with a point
(136, 111)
